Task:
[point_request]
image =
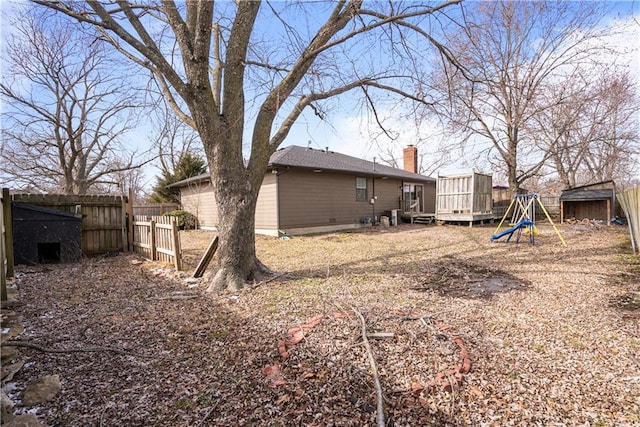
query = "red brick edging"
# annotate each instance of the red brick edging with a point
(455, 375)
(296, 334)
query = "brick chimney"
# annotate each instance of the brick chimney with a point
(411, 158)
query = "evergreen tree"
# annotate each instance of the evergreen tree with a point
(189, 165)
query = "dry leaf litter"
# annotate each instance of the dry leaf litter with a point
(547, 340)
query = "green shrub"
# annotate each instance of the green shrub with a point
(186, 220)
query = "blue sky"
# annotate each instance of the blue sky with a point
(347, 128)
(350, 133)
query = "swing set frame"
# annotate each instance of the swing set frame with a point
(523, 215)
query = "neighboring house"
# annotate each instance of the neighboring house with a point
(593, 201)
(308, 191)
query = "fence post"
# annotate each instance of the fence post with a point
(129, 219)
(154, 253)
(8, 230)
(177, 259)
(3, 259)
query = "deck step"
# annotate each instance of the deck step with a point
(423, 220)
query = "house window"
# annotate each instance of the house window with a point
(361, 189)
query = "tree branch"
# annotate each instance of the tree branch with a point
(374, 371)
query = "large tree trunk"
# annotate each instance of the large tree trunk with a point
(563, 174)
(512, 171)
(236, 188)
(236, 253)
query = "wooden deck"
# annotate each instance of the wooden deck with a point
(431, 218)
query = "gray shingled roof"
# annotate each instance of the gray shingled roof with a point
(309, 158)
(584, 195)
(588, 192)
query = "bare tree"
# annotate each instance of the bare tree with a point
(127, 182)
(563, 130)
(509, 51)
(591, 131)
(398, 129)
(65, 110)
(251, 66)
(174, 138)
(430, 158)
(615, 141)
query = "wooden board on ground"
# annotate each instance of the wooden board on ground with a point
(206, 258)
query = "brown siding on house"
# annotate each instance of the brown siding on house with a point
(309, 199)
(299, 201)
(199, 200)
(389, 192)
(267, 204)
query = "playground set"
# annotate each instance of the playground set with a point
(523, 219)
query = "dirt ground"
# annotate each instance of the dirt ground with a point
(474, 333)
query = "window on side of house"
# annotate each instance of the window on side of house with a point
(361, 189)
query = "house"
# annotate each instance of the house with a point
(308, 191)
(593, 201)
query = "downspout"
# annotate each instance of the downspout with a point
(373, 196)
(278, 203)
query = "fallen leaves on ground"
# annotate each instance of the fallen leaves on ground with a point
(553, 352)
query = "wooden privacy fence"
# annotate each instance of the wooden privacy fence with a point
(630, 203)
(108, 224)
(157, 239)
(154, 209)
(104, 222)
(551, 203)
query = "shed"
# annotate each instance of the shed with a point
(464, 197)
(42, 235)
(593, 201)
